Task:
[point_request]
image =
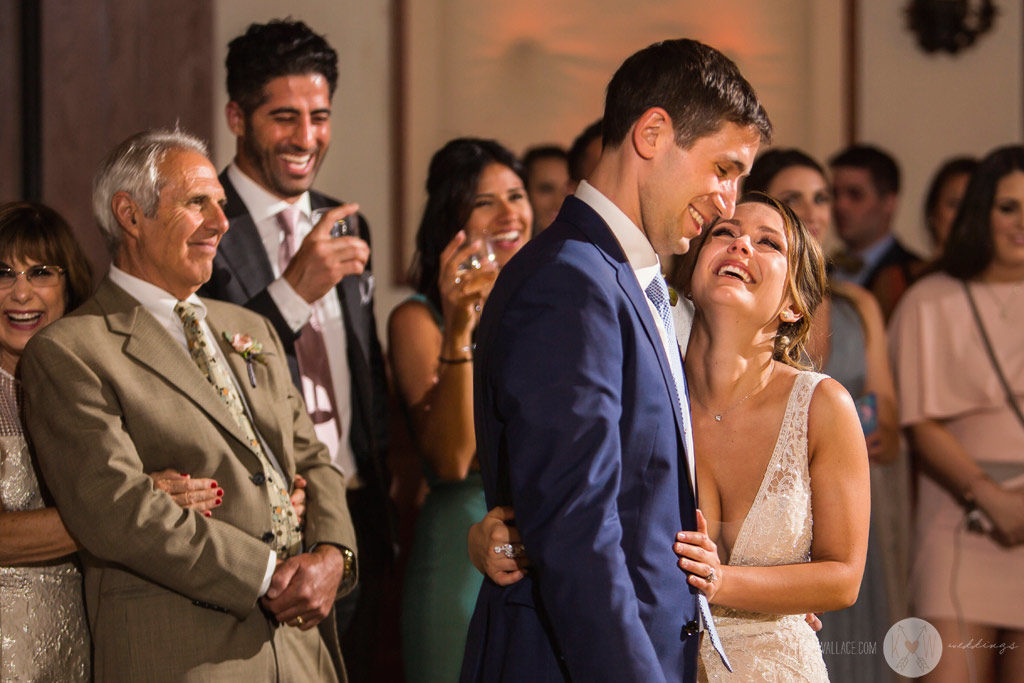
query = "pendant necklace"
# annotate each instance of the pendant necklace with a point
(1012, 298)
(718, 416)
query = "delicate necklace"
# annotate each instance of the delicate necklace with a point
(1012, 298)
(762, 385)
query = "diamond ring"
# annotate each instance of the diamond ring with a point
(510, 550)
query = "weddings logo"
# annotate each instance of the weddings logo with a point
(912, 647)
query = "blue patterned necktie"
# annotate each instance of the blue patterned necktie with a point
(657, 292)
(285, 537)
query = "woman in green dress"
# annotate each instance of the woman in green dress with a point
(476, 218)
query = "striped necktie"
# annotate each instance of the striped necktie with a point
(657, 292)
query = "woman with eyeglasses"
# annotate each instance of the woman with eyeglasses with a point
(43, 633)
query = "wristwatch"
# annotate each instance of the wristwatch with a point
(350, 575)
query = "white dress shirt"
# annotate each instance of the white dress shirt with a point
(263, 208)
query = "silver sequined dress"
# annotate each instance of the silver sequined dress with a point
(43, 634)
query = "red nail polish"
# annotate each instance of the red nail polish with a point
(207, 513)
(213, 485)
(220, 492)
(217, 502)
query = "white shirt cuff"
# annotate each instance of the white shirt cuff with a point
(294, 309)
(271, 565)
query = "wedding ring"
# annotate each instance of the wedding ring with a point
(710, 578)
(509, 550)
(299, 621)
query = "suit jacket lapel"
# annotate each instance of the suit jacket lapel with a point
(601, 235)
(262, 411)
(241, 246)
(356, 315)
(357, 319)
(628, 282)
(150, 344)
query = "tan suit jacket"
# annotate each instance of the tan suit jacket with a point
(171, 594)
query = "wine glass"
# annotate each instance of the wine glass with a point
(481, 259)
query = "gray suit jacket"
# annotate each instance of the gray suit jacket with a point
(171, 595)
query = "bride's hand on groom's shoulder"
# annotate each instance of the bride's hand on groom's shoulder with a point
(698, 557)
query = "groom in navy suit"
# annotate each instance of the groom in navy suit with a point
(582, 418)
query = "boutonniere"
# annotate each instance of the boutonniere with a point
(250, 350)
(673, 297)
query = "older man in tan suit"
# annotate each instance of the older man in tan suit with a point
(146, 376)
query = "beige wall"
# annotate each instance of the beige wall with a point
(535, 71)
(924, 108)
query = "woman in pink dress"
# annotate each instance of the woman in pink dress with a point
(968, 574)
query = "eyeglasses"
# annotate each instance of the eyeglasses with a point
(37, 276)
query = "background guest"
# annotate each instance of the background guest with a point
(584, 153)
(847, 341)
(475, 198)
(546, 169)
(43, 632)
(957, 346)
(866, 187)
(945, 192)
(281, 260)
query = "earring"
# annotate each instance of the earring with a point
(787, 317)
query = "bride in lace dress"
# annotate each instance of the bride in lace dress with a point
(781, 463)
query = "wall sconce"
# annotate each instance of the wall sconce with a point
(949, 25)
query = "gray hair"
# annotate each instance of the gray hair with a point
(132, 167)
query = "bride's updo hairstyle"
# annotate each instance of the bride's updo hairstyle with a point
(805, 279)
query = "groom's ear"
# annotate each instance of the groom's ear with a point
(654, 127)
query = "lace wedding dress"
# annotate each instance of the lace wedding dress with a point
(776, 531)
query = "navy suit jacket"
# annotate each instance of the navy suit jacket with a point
(241, 274)
(578, 428)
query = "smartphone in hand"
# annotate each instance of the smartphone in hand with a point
(346, 227)
(867, 410)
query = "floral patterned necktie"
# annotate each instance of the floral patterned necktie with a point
(285, 537)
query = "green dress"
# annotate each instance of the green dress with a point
(441, 584)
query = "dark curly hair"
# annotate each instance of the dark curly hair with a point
(451, 185)
(281, 47)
